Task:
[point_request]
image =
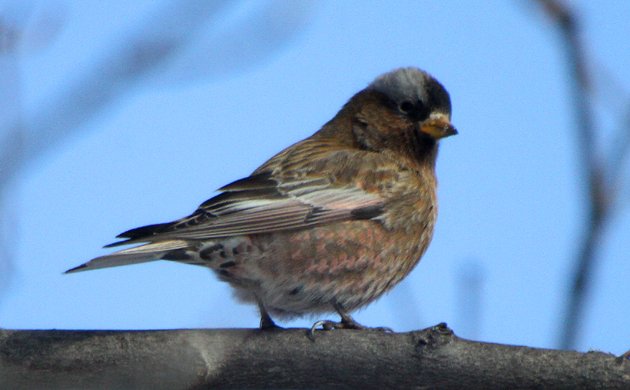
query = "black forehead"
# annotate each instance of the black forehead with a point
(438, 97)
(413, 85)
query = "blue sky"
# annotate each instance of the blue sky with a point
(510, 190)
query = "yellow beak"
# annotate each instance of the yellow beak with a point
(438, 127)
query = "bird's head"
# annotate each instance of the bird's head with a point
(405, 110)
(418, 99)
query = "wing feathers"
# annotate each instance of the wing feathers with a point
(261, 204)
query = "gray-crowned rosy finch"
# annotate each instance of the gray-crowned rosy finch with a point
(328, 224)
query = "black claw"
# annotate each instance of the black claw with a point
(325, 324)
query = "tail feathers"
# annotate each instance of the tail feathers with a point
(135, 255)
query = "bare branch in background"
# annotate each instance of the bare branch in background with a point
(142, 55)
(243, 43)
(112, 76)
(177, 41)
(11, 33)
(601, 166)
(470, 282)
(620, 150)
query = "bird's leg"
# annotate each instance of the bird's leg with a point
(266, 322)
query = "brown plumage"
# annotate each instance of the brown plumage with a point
(328, 224)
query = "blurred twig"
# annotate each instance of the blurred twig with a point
(470, 285)
(10, 112)
(115, 73)
(66, 111)
(154, 47)
(601, 168)
(175, 41)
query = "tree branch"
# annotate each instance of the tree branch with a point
(244, 358)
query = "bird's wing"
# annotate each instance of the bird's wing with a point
(263, 204)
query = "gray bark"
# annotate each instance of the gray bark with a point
(246, 358)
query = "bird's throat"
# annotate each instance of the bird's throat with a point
(424, 148)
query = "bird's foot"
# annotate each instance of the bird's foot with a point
(266, 323)
(269, 325)
(345, 323)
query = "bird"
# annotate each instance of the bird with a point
(328, 224)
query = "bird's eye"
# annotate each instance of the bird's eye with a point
(406, 106)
